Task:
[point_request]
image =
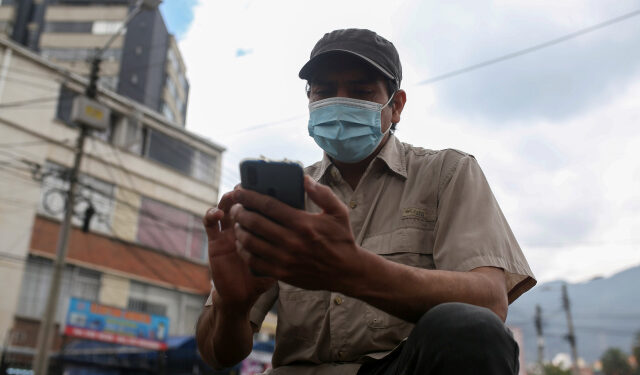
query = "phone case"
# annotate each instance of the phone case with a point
(281, 180)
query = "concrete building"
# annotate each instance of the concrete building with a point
(144, 63)
(148, 180)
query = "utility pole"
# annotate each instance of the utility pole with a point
(45, 331)
(538, 322)
(88, 114)
(571, 336)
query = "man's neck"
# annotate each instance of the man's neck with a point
(353, 172)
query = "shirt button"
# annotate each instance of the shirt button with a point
(338, 300)
(353, 204)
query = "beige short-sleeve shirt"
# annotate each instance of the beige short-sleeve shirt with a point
(423, 208)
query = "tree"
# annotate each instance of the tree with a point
(636, 352)
(614, 362)
(551, 369)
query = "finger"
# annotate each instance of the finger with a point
(268, 206)
(323, 197)
(259, 225)
(256, 245)
(227, 200)
(211, 222)
(258, 266)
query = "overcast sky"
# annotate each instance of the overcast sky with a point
(556, 131)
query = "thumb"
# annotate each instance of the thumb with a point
(324, 197)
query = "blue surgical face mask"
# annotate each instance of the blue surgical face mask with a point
(347, 129)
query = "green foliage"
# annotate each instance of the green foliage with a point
(636, 352)
(550, 369)
(614, 362)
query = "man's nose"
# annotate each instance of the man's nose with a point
(342, 92)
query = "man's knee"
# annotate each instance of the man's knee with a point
(460, 323)
(459, 338)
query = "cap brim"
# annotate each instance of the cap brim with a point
(308, 69)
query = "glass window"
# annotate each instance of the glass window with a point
(79, 54)
(106, 27)
(168, 113)
(173, 59)
(171, 229)
(173, 92)
(140, 305)
(170, 152)
(68, 27)
(204, 167)
(65, 102)
(76, 282)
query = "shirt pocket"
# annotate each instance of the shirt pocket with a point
(411, 243)
(300, 313)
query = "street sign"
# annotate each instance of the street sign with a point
(94, 321)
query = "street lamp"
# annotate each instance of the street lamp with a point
(88, 113)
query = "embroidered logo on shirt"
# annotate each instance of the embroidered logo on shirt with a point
(414, 213)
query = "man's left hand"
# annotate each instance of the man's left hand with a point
(309, 250)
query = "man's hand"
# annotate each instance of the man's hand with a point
(235, 285)
(311, 251)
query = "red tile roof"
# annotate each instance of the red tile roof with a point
(133, 260)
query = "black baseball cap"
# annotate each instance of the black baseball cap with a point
(365, 44)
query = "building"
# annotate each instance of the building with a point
(148, 181)
(143, 63)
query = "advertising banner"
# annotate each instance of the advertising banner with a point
(91, 320)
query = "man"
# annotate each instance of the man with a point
(402, 262)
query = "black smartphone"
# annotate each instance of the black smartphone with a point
(279, 179)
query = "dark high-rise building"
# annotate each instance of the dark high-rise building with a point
(143, 63)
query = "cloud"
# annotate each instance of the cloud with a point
(554, 83)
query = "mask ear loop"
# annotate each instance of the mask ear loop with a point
(386, 104)
(389, 101)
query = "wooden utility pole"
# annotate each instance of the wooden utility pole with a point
(571, 336)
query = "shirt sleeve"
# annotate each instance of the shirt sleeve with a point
(263, 305)
(260, 308)
(471, 230)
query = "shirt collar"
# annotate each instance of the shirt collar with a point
(392, 154)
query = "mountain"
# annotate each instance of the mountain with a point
(606, 313)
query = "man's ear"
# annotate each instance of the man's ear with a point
(399, 99)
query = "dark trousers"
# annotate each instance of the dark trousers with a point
(452, 338)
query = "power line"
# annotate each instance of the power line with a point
(531, 49)
(21, 103)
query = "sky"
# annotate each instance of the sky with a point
(556, 131)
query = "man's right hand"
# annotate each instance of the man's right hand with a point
(236, 287)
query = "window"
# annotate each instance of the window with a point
(68, 27)
(98, 192)
(76, 282)
(204, 167)
(170, 152)
(79, 54)
(106, 27)
(171, 229)
(168, 113)
(146, 307)
(173, 92)
(173, 59)
(129, 134)
(65, 103)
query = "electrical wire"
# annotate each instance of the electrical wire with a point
(531, 49)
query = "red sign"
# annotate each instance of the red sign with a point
(113, 338)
